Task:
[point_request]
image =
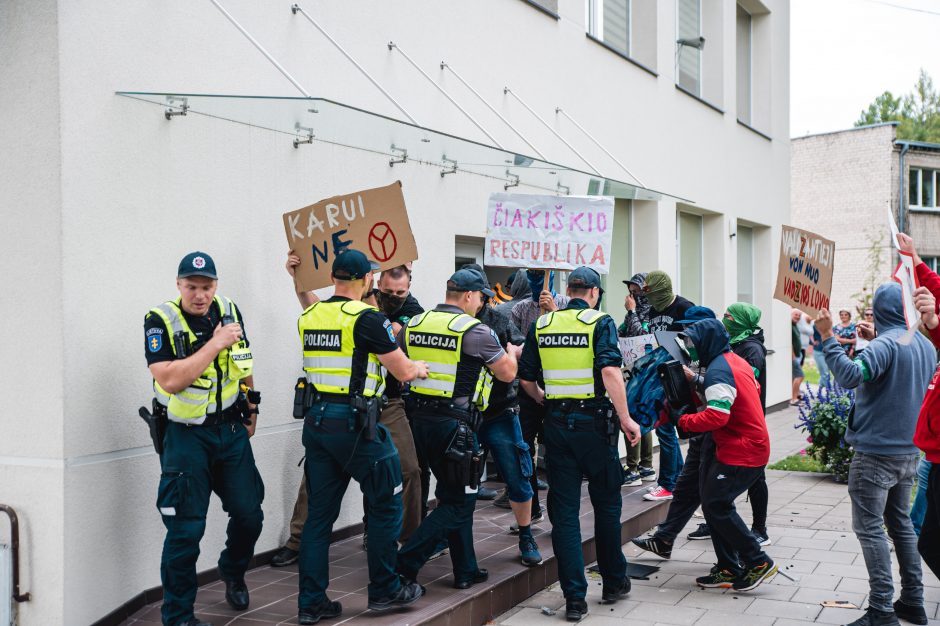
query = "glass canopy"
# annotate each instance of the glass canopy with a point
(305, 120)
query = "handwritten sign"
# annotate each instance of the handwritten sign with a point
(549, 232)
(633, 348)
(373, 221)
(804, 275)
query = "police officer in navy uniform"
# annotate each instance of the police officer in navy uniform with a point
(575, 352)
(346, 343)
(445, 408)
(199, 357)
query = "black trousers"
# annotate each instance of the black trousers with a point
(731, 537)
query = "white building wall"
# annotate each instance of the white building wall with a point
(121, 194)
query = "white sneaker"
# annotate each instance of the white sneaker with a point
(658, 494)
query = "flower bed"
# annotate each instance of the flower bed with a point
(824, 415)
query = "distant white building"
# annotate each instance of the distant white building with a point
(843, 184)
(102, 194)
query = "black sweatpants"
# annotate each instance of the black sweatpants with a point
(731, 537)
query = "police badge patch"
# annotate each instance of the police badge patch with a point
(155, 342)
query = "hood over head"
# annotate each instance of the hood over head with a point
(888, 305)
(741, 321)
(709, 338)
(519, 289)
(658, 290)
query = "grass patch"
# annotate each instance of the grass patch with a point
(798, 463)
(810, 372)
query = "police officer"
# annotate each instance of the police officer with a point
(501, 434)
(346, 343)
(445, 409)
(575, 352)
(198, 355)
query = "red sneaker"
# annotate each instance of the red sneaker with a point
(659, 493)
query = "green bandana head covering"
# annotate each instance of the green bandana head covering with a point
(743, 321)
(659, 290)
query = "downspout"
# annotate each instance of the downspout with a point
(902, 216)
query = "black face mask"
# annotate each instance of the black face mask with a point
(389, 303)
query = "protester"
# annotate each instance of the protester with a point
(845, 332)
(868, 320)
(820, 358)
(639, 468)
(637, 320)
(734, 417)
(796, 344)
(666, 310)
(927, 434)
(919, 505)
(519, 290)
(890, 380)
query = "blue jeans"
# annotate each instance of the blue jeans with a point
(820, 359)
(919, 507)
(502, 436)
(670, 456)
(880, 488)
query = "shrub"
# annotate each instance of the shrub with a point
(824, 414)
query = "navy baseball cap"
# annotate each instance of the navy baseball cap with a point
(697, 314)
(197, 264)
(584, 278)
(469, 280)
(352, 265)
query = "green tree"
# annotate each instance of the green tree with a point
(917, 113)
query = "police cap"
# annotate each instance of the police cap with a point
(197, 264)
(469, 280)
(352, 265)
(584, 278)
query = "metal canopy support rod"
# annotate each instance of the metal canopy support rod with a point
(393, 46)
(445, 66)
(296, 8)
(599, 145)
(260, 48)
(507, 90)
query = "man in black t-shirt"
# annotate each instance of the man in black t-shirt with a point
(667, 308)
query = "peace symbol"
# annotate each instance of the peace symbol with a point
(382, 242)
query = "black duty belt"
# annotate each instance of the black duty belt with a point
(227, 416)
(335, 398)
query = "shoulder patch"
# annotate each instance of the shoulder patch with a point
(155, 341)
(390, 331)
(154, 331)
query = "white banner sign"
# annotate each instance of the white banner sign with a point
(633, 348)
(549, 232)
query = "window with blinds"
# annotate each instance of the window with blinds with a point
(743, 44)
(745, 264)
(609, 21)
(690, 229)
(689, 59)
(923, 189)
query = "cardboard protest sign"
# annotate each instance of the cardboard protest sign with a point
(549, 232)
(373, 221)
(804, 275)
(632, 348)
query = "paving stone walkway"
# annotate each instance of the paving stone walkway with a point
(809, 522)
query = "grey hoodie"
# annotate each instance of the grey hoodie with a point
(890, 379)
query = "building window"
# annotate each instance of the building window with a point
(743, 40)
(609, 21)
(745, 264)
(690, 236)
(688, 54)
(923, 188)
(930, 261)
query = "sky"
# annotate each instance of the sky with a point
(844, 53)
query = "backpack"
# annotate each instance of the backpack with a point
(645, 393)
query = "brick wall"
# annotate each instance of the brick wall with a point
(842, 185)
